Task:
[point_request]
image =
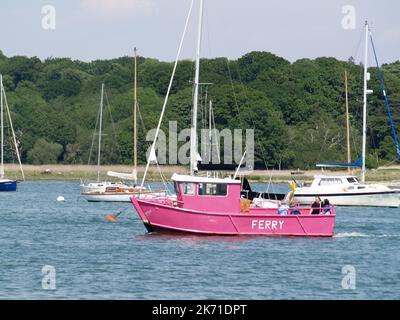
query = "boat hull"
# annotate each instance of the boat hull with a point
(8, 185)
(101, 197)
(117, 197)
(158, 216)
(377, 199)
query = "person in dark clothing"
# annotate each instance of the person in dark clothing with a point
(316, 206)
(326, 206)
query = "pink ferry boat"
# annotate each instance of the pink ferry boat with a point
(214, 206)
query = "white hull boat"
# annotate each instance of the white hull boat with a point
(98, 186)
(347, 191)
(121, 196)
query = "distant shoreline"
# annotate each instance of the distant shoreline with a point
(387, 175)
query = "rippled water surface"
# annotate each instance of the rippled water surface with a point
(96, 259)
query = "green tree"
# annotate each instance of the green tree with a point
(44, 152)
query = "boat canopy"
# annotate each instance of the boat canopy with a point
(196, 179)
(357, 163)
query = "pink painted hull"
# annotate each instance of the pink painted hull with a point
(159, 216)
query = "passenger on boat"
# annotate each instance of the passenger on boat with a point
(283, 209)
(326, 206)
(316, 205)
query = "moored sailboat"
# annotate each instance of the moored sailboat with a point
(6, 184)
(89, 188)
(118, 192)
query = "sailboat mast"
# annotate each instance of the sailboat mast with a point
(193, 132)
(364, 130)
(134, 116)
(347, 120)
(209, 123)
(1, 128)
(100, 129)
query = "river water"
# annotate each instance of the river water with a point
(90, 258)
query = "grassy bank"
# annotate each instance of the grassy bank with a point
(387, 175)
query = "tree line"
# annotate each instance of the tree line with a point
(297, 110)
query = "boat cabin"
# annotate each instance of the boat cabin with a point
(325, 181)
(207, 194)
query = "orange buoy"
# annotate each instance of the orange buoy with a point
(113, 217)
(110, 217)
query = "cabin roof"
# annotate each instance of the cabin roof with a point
(196, 179)
(334, 176)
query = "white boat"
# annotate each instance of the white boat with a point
(94, 186)
(7, 184)
(122, 194)
(346, 190)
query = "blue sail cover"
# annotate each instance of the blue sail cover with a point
(357, 163)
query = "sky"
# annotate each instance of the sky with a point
(103, 29)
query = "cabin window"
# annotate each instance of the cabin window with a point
(330, 181)
(352, 180)
(188, 188)
(213, 189)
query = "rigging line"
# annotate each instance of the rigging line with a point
(13, 134)
(93, 136)
(396, 142)
(168, 92)
(237, 107)
(358, 46)
(215, 136)
(354, 146)
(339, 101)
(146, 143)
(108, 106)
(163, 178)
(202, 107)
(140, 117)
(252, 121)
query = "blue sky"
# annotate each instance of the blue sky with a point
(99, 29)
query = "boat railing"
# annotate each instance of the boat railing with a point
(301, 210)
